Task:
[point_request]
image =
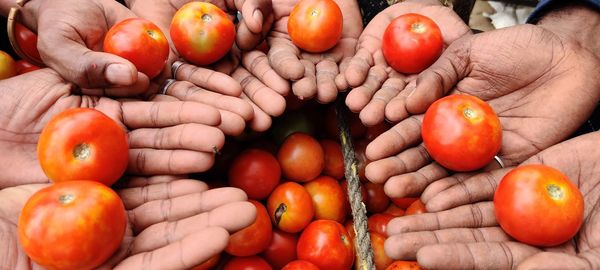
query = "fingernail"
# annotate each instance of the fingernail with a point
(119, 74)
(258, 17)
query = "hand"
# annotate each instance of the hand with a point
(163, 135)
(313, 74)
(195, 226)
(375, 83)
(468, 236)
(541, 85)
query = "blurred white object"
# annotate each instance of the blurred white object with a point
(508, 14)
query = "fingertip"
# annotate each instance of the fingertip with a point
(122, 74)
(393, 188)
(355, 76)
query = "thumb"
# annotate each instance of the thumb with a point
(554, 260)
(440, 78)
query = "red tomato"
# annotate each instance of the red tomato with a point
(92, 222)
(381, 260)
(300, 265)
(315, 25)
(253, 239)
(404, 265)
(7, 66)
(202, 33)
(417, 207)
(282, 249)
(334, 159)
(328, 198)
(394, 210)
(461, 132)
(27, 41)
(538, 205)
(290, 207)
(363, 192)
(141, 42)
(377, 201)
(256, 172)
(326, 244)
(247, 263)
(411, 43)
(83, 144)
(301, 157)
(378, 223)
(404, 202)
(23, 67)
(209, 264)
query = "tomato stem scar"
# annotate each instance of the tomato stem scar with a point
(82, 151)
(469, 113)
(206, 18)
(66, 198)
(314, 12)
(555, 192)
(281, 209)
(418, 28)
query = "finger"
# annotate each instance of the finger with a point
(254, 13)
(140, 114)
(306, 88)
(135, 196)
(246, 40)
(413, 184)
(395, 110)
(262, 96)
(177, 208)
(184, 136)
(359, 67)
(340, 79)
(138, 181)
(231, 217)
(374, 112)
(555, 260)
(261, 121)
(163, 98)
(209, 79)
(405, 246)
(396, 139)
(186, 253)
(359, 97)
(147, 161)
(231, 123)
(257, 63)
(137, 88)
(284, 58)
(467, 216)
(407, 161)
(326, 71)
(485, 255)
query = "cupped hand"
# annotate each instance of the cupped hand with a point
(194, 227)
(163, 135)
(375, 84)
(468, 236)
(541, 85)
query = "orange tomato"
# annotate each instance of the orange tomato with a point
(315, 25)
(328, 198)
(7, 66)
(290, 207)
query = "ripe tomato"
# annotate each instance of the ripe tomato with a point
(253, 239)
(247, 263)
(461, 132)
(27, 41)
(7, 66)
(202, 33)
(209, 264)
(538, 205)
(141, 42)
(394, 210)
(381, 260)
(411, 43)
(315, 25)
(72, 225)
(378, 223)
(290, 207)
(301, 157)
(23, 67)
(300, 265)
(404, 202)
(256, 172)
(326, 244)
(282, 249)
(328, 198)
(377, 201)
(83, 144)
(334, 159)
(363, 192)
(404, 265)
(417, 207)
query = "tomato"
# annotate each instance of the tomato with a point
(141, 42)
(327, 244)
(83, 144)
(202, 33)
(377, 201)
(300, 265)
(209, 264)
(417, 207)
(538, 205)
(23, 67)
(394, 210)
(328, 198)
(411, 43)
(381, 260)
(461, 132)
(315, 25)
(256, 172)
(282, 249)
(27, 41)
(253, 239)
(378, 223)
(290, 207)
(334, 159)
(247, 263)
(7, 66)
(360, 148)
(404, 202)
(301, 157)
(363, 192)
(404, 265)
(72, 225)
